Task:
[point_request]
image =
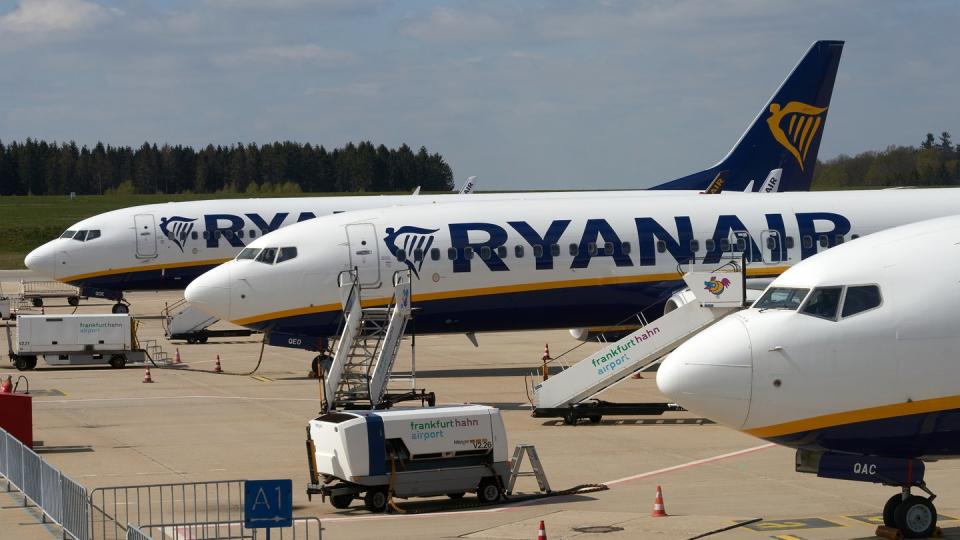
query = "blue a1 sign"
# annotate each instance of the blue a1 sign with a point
(267, 503)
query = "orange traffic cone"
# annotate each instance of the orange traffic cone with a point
(176, 359)
(542, 532)
(7, 386)
(544, 369)
(217, 368)
(546, 352)
(43, 311)
(146, 375)
(637, 375)
(658, 508)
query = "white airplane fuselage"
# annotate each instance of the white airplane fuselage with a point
(523, 264)
(166, 246)
(872, 370)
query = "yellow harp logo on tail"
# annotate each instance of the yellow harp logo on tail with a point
(795, 127)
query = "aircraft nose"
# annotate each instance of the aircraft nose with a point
(210, 292)
(711, 373)
(42, 261)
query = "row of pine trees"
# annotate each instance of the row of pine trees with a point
(35, 167)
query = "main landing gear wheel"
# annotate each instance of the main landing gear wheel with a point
(890, 508)
(37, 302)
(73, 301)
(120, 308)
(375, 500)
(916, 517)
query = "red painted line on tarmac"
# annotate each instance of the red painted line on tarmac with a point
(94, 400)
(610, 484)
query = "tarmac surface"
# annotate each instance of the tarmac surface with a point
(105, 427)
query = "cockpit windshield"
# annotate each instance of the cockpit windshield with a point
(68, 234)
(781, 298)
(248, 253)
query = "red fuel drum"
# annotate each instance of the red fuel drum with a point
(16, 416)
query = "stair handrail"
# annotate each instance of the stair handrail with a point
(397, 280)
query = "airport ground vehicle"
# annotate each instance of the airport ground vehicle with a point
(74, 340)
(407, 453)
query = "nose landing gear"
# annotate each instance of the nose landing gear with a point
(913, 515)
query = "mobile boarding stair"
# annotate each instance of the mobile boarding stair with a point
(570, 393)
(361, 375)
(183, 321)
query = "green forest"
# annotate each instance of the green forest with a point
(35, 167)
(936, 162)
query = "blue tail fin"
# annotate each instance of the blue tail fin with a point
(786, 134)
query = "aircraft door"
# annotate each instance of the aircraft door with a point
(740, 244)
(146, 231)
(771, 246)
(364, 253)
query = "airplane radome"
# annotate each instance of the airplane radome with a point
(849, 357)
(166, 246)
(510, 265)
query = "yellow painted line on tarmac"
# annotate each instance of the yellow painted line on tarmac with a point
(261, 378)
(795, 523)
(787, 537)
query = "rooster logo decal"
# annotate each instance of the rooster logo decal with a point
(177, 229)
(409, 240)
(716, 286)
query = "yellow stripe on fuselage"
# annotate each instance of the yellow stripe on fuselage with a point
(501, 289)
(882, 412)
(143, 268)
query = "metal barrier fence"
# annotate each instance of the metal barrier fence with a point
(302, 529)
(171, 504)
(54, 493)
(134, 533)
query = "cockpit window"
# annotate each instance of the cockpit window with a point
(823, 302)
(248, 253)
(68, 234)
(781, 298)
(267, 255)
(95, 233)
(80, 236)
(860, 298)
(286, 253)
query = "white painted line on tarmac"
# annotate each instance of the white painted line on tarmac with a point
(611, 483)
(154, 398)
(688, 465)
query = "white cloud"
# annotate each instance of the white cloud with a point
(448, 24)
(329, 6)
(46, 16)
(287, 54)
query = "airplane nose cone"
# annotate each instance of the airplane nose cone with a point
(210, 292)
(42, 261)
(711, 373)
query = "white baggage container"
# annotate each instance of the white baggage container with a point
(409, 452)
(75, 340)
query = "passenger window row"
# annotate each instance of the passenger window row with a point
(229, 235)
(607, 248)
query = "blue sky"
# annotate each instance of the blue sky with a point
(529, 94)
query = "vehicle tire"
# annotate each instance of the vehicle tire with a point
(595, 419)
(488, 492)
(570, 418)
(74, 301)
(191, 341)
(21, 363)
(375, 500)
(37, 302)
(890, 508)
(341, 502)
(916, 517)
(31, 362)
(118, 361)
(120, 308)
(202, 339)
(456, 496)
